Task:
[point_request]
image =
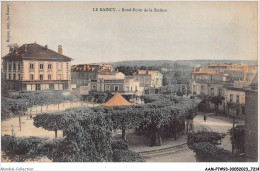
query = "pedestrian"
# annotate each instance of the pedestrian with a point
(205, 118)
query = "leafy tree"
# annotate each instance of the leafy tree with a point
(216, 100)
(99, 97)
(204, 136)
(19, 149)
(49, 121)
(121, 153)
(87, 135)
(208, 152)
(239, 138)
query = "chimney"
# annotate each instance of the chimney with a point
(16, 46)
(46, 47)
(25, 47)
(60, 49)
(11, 48)
(245, 72)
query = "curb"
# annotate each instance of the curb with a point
(162, 149)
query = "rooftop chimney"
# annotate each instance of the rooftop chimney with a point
(16, 46)
(60, 49)
(11, 48)
(46, 47)
(25, 47)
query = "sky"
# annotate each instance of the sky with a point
(187, 30)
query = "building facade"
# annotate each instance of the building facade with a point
(149, 78)
(224, 81)
(251, 122)
(34, 67)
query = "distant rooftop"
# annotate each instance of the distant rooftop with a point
(35, 51)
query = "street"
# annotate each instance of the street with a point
(213, 123)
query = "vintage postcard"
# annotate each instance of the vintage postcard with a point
(120, 81)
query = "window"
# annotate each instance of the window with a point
(14, 77)
(31, 77)
(93, 86)
(231, 98)
(41, 66)
(49, 66)
(19, 67)
(41, 77)
(14, 66)
(19, 76)
(202, 89)
(49, 77)
(237, 99)
(31, 66)
(136, 88)
(10, 66)
(220, 92)
(116, 88)
(59, 76)
(243, 110)
(107, 87)
(9, 76)
(210, 77)
(59, 66)
(212, 91)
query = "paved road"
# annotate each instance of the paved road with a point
(218, 124)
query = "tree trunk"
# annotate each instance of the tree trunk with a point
(156, 139)
(124, 135)
(56, 134)
(175, 130)
(20, 123)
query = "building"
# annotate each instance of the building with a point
(149, 78)
(224, 81)
(108, 82)
(251, 122)
(33, 67)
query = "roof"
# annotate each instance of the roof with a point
(146, 72)
(85, 68)
(117, 100)
(108, 72)
(90, 67)
(211, 72)
(35, 51)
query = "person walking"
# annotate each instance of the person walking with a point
(205, 118)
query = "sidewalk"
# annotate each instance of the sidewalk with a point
(226, 118)
(141, 143)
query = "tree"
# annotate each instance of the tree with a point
(87, 135)
(238, 137)
(204, 136)
(19, 149)
(50, 121)
(216, 100)
(121, 153)
(208, 152)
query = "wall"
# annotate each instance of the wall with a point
(251, 125)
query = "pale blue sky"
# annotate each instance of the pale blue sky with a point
(188, 30)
